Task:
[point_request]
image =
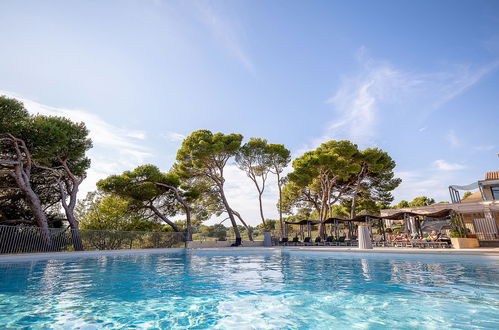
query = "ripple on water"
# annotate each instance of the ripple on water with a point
(262, 290)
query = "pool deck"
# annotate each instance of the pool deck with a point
(92, 254)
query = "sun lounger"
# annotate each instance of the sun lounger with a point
(284, 241)
(318, 241)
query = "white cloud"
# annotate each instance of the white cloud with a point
(422, 129)
(432, 181)
(174, 137)
(441, 164)
(115, 149)
(434, 184)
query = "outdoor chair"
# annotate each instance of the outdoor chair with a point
(295, 241)
(307, 241)
(329, 240)
(341, 240)
(284, 241)
(318, 241)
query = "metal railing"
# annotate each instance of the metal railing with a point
(21, 239)
(486, 229)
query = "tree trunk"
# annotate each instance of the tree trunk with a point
(352, 210)
(41, 219)
(69, 208)
(184, 204)
(188, 222)
(21, 172)
(75, 230)
(250, 233)
(261, 207)
(165, 219)
(230, 213)
(281, 223)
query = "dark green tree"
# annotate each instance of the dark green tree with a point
(374, 181)
(204, 155)
(146, 188)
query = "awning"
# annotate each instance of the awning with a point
(303, 222)
(438, 214)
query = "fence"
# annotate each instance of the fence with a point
(19, 239)
(486, 229)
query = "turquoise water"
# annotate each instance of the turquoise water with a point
(243, 289)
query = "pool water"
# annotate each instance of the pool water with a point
(244, 289)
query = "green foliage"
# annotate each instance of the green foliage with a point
(362, 206)
(458, 229)
(402, 204)
(139, 189)
(111, 212)
(375, 180)
(416, 202)
(321, 177)
(53, 140)
(217, 231)
(421, 201)
(253, 157)
(279, 157)
(138, 186)
(467, 194)
(205, 153)
(14, 118)
(331, 161)
(201, 161)
(340, 210)
(257, 158)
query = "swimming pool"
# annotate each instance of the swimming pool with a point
(251, 289)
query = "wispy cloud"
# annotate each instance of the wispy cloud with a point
(358, 99)
(484, 148)
(226, 30)
(114, 148)
(363, 97)
(174, 136)
(458, 81)
(441, 164)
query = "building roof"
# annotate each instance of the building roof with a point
(475, 197)
(492, 175)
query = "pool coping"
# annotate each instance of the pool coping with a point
(411, 251)
(82, 254)
(92, 254)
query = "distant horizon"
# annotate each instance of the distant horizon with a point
(416, 79)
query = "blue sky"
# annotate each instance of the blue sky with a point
(419, 79)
